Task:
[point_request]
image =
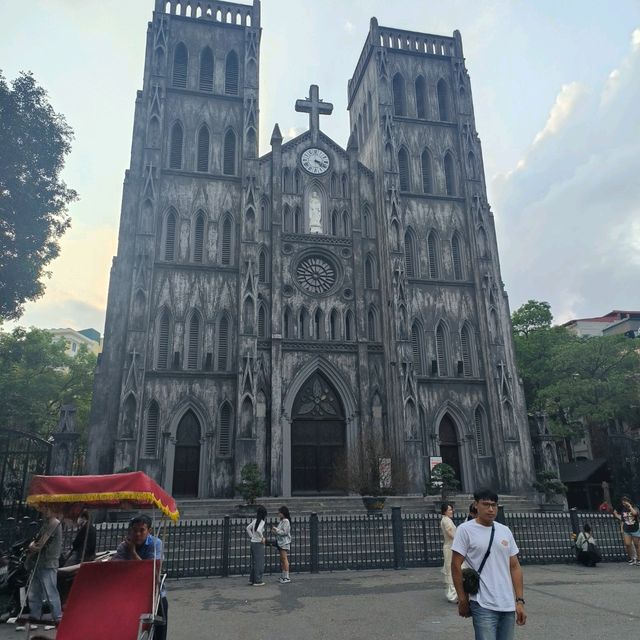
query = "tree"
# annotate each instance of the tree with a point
(34, 141)
(37, 377)
(531, 316)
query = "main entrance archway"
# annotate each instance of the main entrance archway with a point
(186, 463)
(449, 445)
(318, 443)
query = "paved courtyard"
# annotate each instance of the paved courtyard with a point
(563, 601)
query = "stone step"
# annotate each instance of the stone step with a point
(206, 508)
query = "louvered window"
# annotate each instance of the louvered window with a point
(421, 98)
(465, 343)
(432, 248)
(481, 444)
(345, 224)
(427, 173)
(203, 149)
(302, 324)
(262, 267)
(170, 237)
(399, 98)
(151, 435)
(348, 326)
(198, 239)
(416, 348)
(231, 74)
(345, 186)
(368, 273)
(371, 326)
(224, 437)
(262, 330)
(456, 257)
(226, 241)
(180, 61)
(206, 70)
(229, 154)
(175, 147)
(403, 168)
(163, 342)
(318, 328)
(334, 223)
(297, 221)
(409, 256)
(194, 342)
(449, 174)
(443, 101)
(441, 351)
(223, 344)
(333, 325)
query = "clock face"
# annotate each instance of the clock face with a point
(315, 160)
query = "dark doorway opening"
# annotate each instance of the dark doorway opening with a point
(318, 443)
(186, 465)
(449, 445)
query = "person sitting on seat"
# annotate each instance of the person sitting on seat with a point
(87, 531)
(141, 545)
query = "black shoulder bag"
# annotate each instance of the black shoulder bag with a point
(471, 577)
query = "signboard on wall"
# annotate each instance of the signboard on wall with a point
(434, 461)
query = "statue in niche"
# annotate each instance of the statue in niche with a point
(315, 212)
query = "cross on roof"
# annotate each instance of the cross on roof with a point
(314, 106)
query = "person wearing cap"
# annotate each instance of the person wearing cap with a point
(140, 544)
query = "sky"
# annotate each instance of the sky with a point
(556, 89)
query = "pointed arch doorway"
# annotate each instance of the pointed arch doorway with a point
(318, 439)
(449, 445)
(186, 462)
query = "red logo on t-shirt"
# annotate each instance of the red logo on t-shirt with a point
(504, 543)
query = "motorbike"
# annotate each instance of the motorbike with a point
(14, 575)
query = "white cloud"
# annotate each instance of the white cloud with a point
(348, 27)
(561, 111)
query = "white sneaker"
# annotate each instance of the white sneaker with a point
(632, 562)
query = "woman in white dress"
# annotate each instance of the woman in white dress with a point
(448, 532)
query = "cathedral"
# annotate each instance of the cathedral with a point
(289, 309)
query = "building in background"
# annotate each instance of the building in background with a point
(89, 337)
(292, 308)
(613, 323)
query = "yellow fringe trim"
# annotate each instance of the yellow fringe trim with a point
(138, 496)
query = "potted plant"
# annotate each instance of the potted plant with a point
(442, 481)
(371, 475)
(252, 485)
(552, 490)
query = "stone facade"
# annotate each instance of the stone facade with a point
(288, 309)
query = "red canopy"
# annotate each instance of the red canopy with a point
(136, 490)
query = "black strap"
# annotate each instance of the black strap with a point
(486, 555)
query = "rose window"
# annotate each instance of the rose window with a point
(315, 274)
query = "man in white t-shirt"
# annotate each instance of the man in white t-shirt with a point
(501, 584)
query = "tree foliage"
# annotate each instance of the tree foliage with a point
(576, 380)
(34, 141)
(37, 377)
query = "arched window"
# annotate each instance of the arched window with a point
(399, 96)
(345, 224)
(416, 349)
(193, 342)
(434, 258)
(288, 324)
(334, 326)
(262, 266)
(334, 223)
(494, 326)
(421, 97)
(247, 316)
(318, 325)
(345, 186)
(170, 236)
(250, 224)
(297, 221)
(285, 180)
(231, 74)
(286, 221)
(369, 273)
(410, 255)
(480, 431)
(334, 184)
(472, 166)
(395, 235)
(348, 325)
(372, 329)
(152, 430)
(229, 154)
(297, 177)
(262, 322)
(403, 168)
(224, 435)
(251, 143)
(465, 346)
(427, 172)
(180, 62)
(449, 174)
(303, 324)
(162, 354)
(137, 310)
(366, 223)
(198, 238)
(175, 147)
(441, 350)
(444, 109)
(223, 343)
(456, 257)
(205, 82)
(203, 149)
(264, 216)
(483, 243)
(226, 253)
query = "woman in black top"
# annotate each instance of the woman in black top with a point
(88, 531)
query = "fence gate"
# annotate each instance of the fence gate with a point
(22, 455)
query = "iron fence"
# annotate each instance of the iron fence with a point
(397, 540)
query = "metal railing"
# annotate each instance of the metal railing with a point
(330, 543)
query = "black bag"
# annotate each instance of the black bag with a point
(594, 551)
(471, 577)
